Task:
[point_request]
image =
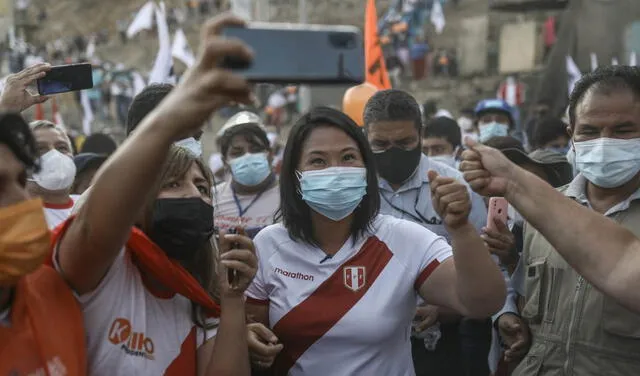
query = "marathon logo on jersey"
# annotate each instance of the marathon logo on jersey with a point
(355, 277)
(132, 343)
(294, 275)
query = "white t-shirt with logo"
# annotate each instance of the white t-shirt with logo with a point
(56, 214)
(131, 331)
(349, 314)
(259, 213)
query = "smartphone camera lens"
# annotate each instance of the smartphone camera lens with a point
(342, 40)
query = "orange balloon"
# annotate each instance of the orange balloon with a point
(355, 99)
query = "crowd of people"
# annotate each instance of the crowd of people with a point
(354, 250)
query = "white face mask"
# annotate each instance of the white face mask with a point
(449, 160)
(57, 171)
(194, 146)
(465, 124)
(608, 162)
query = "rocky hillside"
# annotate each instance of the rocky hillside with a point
(68, 18)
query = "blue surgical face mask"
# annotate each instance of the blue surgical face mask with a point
(194, 146)
(562, 150)
(250, 169)
(608, 162)
(491, 130)
(571, 158)
(334, 192)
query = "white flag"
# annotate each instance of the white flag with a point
(91, 47)
(142, 21)
(594, 62)
(180, 49)
(633, 59)
(614, 61)
(162, 66)
(437, 17)
(3, 82)
(87, 116)
(59, 120)
(511, 91)
(573, 73)
(138, 82)
(242, 9)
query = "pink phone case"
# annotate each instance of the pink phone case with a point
(498, 208)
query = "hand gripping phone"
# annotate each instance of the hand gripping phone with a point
(65, 78)
(498, 208)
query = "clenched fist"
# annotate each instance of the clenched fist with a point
(450, 200)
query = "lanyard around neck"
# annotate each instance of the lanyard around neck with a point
(241, 211)
(419, 218)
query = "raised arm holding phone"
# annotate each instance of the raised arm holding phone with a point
(140, 252)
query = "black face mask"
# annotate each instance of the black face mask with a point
(397, 165)
(181, 226)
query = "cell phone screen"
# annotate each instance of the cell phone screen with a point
(65, 78)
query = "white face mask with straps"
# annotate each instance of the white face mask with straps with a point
(57, 171)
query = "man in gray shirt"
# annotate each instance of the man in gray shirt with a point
(393, 122)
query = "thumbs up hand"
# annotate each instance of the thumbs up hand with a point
(450, 200)
(486, 169)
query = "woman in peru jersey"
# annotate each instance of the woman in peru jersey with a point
(337, 283)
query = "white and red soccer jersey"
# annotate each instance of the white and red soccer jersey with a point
(350, 314)
(56, 214)
(132, 331)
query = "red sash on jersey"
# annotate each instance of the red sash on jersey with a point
(307, 322)
(165, 270)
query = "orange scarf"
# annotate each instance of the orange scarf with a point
(46, 331)
(163, 269)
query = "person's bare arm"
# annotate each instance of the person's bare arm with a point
(121, 190)
(599, 249)
(470, 282)
(124, 182)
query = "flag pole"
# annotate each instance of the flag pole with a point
(304, 92)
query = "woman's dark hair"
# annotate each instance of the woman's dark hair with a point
(16, 135)
(251, 132)
(295, 213)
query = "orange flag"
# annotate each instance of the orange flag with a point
(54, 110)
(39, 115)
(376, 70)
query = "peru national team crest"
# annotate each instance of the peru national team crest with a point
(354, 277)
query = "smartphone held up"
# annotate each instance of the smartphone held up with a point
(232, 275)
(301, 54)
(66, 78)
(498, 210)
